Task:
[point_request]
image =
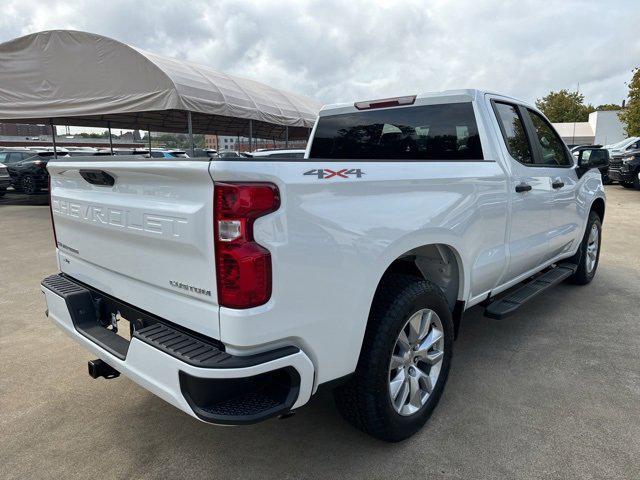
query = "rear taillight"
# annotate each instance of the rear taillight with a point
(243, 267)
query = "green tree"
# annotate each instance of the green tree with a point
(630, 116)
(564, 106)
(608, 106)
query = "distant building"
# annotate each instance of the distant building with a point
(211, 141)
(603, 128)
(23, 129)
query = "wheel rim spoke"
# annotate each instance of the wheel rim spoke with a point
(403, 393)
(415, 397)
(396, 384)
(415, 326)
(434, 337)
(403, 341)
(396, 362)
(434, 357)
(425, 381)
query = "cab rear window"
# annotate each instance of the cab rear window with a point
(429, 132)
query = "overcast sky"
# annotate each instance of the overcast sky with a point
(356, 50)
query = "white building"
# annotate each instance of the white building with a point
(603, 128)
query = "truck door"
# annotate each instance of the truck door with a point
(530, 191)
(550, 152)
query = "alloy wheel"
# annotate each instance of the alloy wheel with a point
(416, 361)
(592, 248)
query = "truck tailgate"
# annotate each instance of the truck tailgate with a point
(147, 239)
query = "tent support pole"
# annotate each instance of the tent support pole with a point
(286, 136)
(250, 135)
(110, 139)
(190, 125)
(53, 138)
(149, 134)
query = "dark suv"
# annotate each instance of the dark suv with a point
(28, 169)
(625, 169)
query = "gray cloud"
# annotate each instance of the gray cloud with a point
(340, 51)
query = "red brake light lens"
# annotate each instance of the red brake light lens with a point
(243, 267)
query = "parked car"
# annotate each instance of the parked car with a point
(28, 169)
(247, 285)
(586, 151)
(230, 154)
(131, 151)
(625, 169)
(281, 153)
(204, 152)
(168, 153)
(625, 146)
(5, 179)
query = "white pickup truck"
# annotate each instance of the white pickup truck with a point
(234, 289)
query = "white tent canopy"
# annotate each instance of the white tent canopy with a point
(78, 78)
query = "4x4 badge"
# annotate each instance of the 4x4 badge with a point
(325, 173)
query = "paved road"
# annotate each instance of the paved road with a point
(552, 392)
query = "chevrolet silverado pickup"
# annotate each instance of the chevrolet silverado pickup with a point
(235, 289)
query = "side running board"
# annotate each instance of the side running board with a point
(507, 305)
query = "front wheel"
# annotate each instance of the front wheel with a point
(29, 185)
(404, 361)
(588, 255)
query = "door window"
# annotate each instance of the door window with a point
(552, 149)
(514, 133)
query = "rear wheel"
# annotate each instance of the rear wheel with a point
(29, 185)
(626, 184)
(588, 255)
(404, 361)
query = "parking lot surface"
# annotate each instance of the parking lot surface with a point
(551, 392)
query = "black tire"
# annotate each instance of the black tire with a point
(636, 182)
(29, 185)
(626, 184)
(606, 180)
(364, 400)
(2, 192)
(583, 275)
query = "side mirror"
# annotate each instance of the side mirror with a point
(593, 158)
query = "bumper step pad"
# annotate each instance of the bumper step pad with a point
(199, 353)
(507, 305)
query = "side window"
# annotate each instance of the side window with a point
(13, 157)
(552, 148)
(513, 132)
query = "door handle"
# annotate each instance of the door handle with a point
(523, 187)
(557, 184)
